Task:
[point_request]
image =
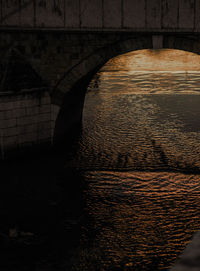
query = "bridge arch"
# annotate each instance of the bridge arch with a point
(69, 92)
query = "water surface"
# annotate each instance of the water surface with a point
(138, 155)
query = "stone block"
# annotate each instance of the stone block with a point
(10, 141)
(6, 106)
(10, 12)
(8, 114)
(170, 14)
(197, 15)
(112, 14)
(27, 120)
(153, 14)
(32, 102)
(44, 100)
(186, 14)
(50, 13)
(10, 131)
(29, 128)
(17, 104)
(44, 126)
(30, 111)
(44, 117)
(134, 15)
(8, 123)
(19, 112)
(27, 16)
(72, 13)
(44, 134)
(28, 137)
(91, 13)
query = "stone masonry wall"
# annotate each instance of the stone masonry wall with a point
(170, 15)
(61, 59)
(25, 120)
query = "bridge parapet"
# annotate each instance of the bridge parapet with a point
(109, 15)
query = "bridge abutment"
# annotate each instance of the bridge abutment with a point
(25, 120)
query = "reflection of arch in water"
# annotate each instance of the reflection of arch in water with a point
(69, 92)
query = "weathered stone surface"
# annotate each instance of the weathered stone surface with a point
(72, 13)
(170, 14)
(24, 118)
(27, 13)
(133, 15)
(186, 14)
(61, 59)
(89, 14)
(112, 14)
(10, 13)
(50, 13)
(19, 74)
(153, 14)
(94, 8)
(197, 15)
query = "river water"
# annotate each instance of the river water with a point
(127, 195)
(138, 155)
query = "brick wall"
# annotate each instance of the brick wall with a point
(25, 120)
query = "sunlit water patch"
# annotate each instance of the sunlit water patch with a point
(153, 124)
(139, 155)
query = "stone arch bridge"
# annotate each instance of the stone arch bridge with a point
(49, 51)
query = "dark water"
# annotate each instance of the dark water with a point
(124, 130)
(139, 156)
(127, 197)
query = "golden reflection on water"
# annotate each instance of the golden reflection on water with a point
(141, 115)
(155, 60)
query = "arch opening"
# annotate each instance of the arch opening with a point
(160, 84)
(133, 121)
(70, 115)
